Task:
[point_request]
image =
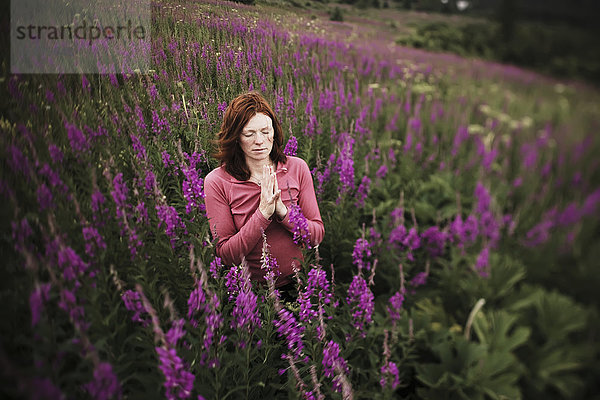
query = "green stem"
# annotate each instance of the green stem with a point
(247, 367)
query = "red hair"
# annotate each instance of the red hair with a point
(237, 115)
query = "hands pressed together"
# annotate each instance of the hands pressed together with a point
(270, 195)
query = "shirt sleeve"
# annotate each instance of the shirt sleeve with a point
(232, 245)
(307, 200)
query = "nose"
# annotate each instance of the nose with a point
(258, 137)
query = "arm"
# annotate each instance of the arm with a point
(231, 244)
(307, 200)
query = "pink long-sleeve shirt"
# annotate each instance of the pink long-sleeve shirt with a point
(237, 223)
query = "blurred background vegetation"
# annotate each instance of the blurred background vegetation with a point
(557, 38)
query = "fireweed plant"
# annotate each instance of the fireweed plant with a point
(460, 201)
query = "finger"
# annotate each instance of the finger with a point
(271, 184)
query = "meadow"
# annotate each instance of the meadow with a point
(460, 200)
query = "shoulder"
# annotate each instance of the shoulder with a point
(217, 177)
(298, 168)
(296, 164)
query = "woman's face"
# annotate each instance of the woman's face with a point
(256, 139)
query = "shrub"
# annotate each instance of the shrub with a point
(336, 15)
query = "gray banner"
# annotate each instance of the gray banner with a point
(77, 36)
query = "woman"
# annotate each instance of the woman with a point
(253, 189)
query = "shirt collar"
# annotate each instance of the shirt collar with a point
(281, 169)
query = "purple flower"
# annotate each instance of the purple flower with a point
(435, 241)
(175, 333)
(471, 229)
(529, 155)
(300, 224)
(389, 370)
(49, 96)
(77, 139)
(197, 301)
(411, 241)
(363, 191)
(215, 267)
(345, 163)
(105, 385)
(113, 80)
(289, 329)
(21, 231)
(456, 228)
(40, 388)
(361, 253)
(309, 129)
(153, 92)
(53, 178)
(233, 282)
(204, 301)
(517, 182)
(133, 303)
(591, 203)
(213, 321)
(319, 289)
(68, 303)
(490, 227)
(482, 263)
(334, 365)
(142, 213)
(71, 264)
(195, 159)
(85, 84)
(483, 198)
(178, 382)
(569, 216)
(192, 190)
(140, 123)
(150, 182)
(291, 147)
(395, 306)
(36, 302)
(168, 216)
(397, 215)
(138, 147)
(17, 161)
(221, 108)
(269, 264)
(120, 190)
(44, 197)
(133, 242)
(55, 153)
(97, 201)
(461, 135)
(419, 279)
(382, 171)
(540, 233)
(160, 124)
(374, 237)
(360, 298)
(245, 315)
(489, 157)
(398, 234)
(414, 124)
(93, 241)
(464, 232)
(166, 159)
(323, 177)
